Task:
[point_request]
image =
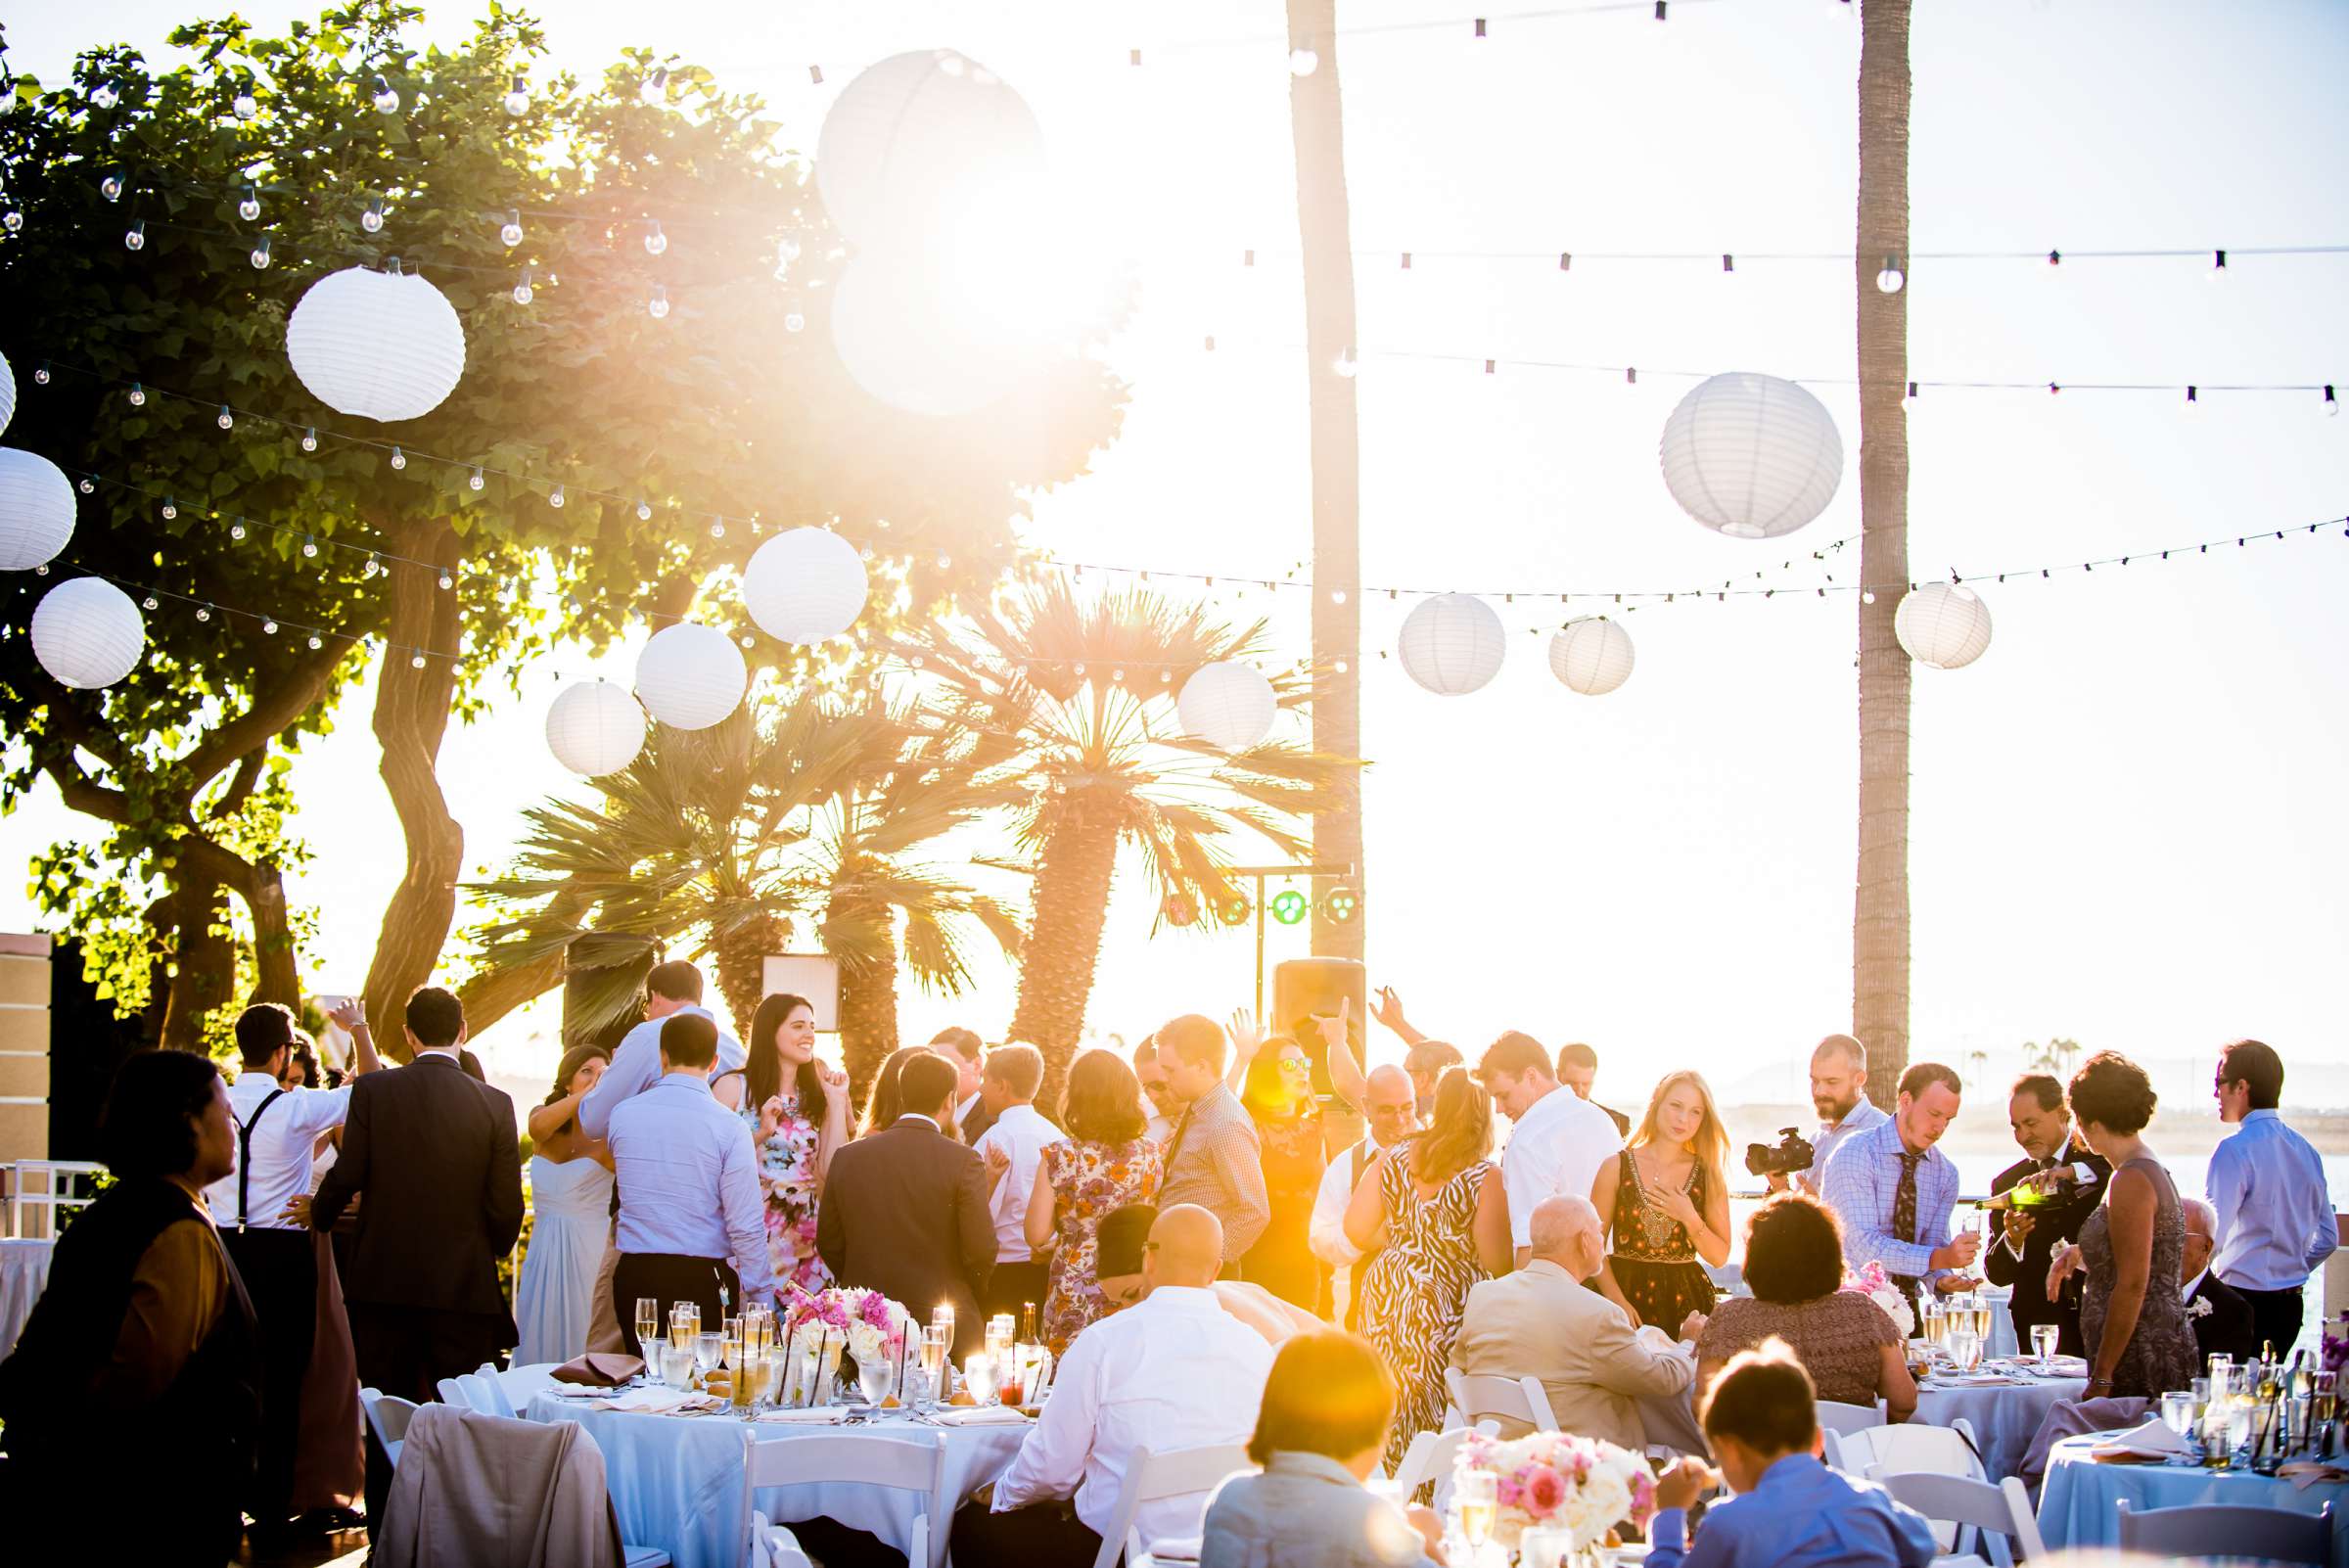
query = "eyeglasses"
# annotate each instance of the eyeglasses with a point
(1295, 1063)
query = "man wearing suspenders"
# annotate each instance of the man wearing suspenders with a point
(276, 1132)
(1391, 1108)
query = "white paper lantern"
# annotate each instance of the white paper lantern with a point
(594, 728)
(87, 634)
(8, 392)
(805, 585)
(908, 335)
(36, 510)
(690, 675)
(1591, 655)
(910, 136)
(1451, 644)
(1228, 704)
(1945, 624)
(384, 346)
(1752, 456)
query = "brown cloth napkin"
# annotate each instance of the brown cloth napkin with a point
(598, 1369)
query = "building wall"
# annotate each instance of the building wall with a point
(24, 1047)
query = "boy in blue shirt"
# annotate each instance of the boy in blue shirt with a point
(1790, 1510)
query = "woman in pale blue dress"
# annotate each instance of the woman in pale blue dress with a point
(571, 1199)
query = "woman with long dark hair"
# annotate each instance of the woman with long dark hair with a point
(798, 1111)
(1106, 1162)
(570, 1225)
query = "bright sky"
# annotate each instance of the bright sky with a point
(2127, 816)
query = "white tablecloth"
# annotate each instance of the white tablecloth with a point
(2075, 1505)
(676, 1481)
(23, 1274)
(2003, 1419)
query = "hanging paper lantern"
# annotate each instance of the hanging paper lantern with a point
(805, 585)
(594, 728)
(1752, 456)
(908, 337)
(36, 510)
(1592, 655)
(8, 392)
(1228, 705)
(87, 634)
(913, 134)
(382, 345)
(690, 675)
(1451, 644)
(1945, 624)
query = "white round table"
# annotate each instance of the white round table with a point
(23, 1276)
(676, 1482)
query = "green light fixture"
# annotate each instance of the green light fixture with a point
(1290, 906)
(1342, 904)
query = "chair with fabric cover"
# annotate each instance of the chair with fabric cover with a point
(388, 1415)
(1512, 1399)
(1433, 1453)
(1151, 1477)
(2217, 1530)
(2000, 1516)
(828, 1460)
(447, 1486)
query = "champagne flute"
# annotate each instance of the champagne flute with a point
(648, 1327)
(1475, 1495)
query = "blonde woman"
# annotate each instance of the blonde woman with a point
(1665, 1201)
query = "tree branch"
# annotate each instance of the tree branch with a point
(240, 788)
(271, 714)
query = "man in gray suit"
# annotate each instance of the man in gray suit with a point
(1541, 1323)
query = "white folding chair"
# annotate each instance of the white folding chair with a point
(827, 1461)
(2216, 1530)
(1836, 1419)
(1154, 1478)
(452, 1391)
(1914, 1448)
(387, 1416)
(1512, 1399)
(514, 1387)
(1434, 1453)
(2000, 1516)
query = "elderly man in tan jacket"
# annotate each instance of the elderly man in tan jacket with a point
(1540, 1321)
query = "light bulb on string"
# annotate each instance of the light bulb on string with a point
(309, 439)
(110, 187)
(794, 318)
(245, 106)
(135, 237)
(2218, 267)
(314, 642)
(447, 581)
(250, 206)
(40, 377)
(170, 509)
(510, 232)
(654, 242)
(655, 88)
(90, 485)
(224, 419)
(269, 628)
(371, 567)
(524, 294)
(1347, 367)
(104, 95)
(138, 395)
(372, 221)
(657, 306)
(399, 459)
(2332, 405)
(309, 546)
(1890, 279)
(718, 528)
(518, 95)
(149, 603)
(386, 100)
(203, 613)
(554, 497)
(2056, 263)
(476, 481)
(235, 530)
(1304, 61)
(261, 254)
(416, 662)
(13, 222)
(644, 511)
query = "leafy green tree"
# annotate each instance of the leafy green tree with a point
(653, 426)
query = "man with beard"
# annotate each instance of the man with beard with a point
(1839, 1091)
(1893, 1190)
(2020, 1254)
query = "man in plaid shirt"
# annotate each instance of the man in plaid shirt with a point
(1893, 1190)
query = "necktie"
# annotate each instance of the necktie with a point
(1904, 1198)
(1174, 1144)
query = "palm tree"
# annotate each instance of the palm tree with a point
(1073, 702)
(741, 837)
(1880, 897)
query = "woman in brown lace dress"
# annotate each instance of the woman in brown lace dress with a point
(2131, 1313)
(1667, 1205)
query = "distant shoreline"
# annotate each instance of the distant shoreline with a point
(2175, 1133)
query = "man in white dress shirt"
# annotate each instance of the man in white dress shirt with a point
(1558, 1141)
(277, 1128)
(673, 987)
(1175, 1372)
(1013, 1146)
(1390, 1103)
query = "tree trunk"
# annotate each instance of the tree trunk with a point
(1317, 125)
(1881, 901)
(1064, 938)
(741, 964)
(411, 714)
(868, 1019)
(205, 959)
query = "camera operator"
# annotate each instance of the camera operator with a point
(1839, 1091)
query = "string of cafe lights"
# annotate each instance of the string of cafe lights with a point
(153, 598)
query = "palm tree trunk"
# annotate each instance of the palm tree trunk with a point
(741, 965)
(1064, 941)
(868, 1019)
(1880, 900)
(1317, 125)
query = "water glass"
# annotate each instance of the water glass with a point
(1965, 1348)
(875, 1377)
(979, 1377)
(708, 1349)
(2178, 1413)
(676, 1366)
(2043, 1343)
(2221, 1368)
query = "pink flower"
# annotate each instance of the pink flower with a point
(1544, 1493)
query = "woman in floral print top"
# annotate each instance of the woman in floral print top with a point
(1105, 1163)
(798, 1112)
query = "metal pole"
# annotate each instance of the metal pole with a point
(1260, 948)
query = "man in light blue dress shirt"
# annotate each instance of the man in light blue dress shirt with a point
(671, 989)
(2276, 1219)
(1893, 1190)
(692, 1222)
(1839, 1093)
(1790, 1510)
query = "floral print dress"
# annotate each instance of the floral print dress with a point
(1088, 1180)
(788, 1180)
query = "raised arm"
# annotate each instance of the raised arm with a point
(351, 1019)
(1388, 1010)
(1345, 1073)
(1246, 1038)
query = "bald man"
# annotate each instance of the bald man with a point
(1839, 1093)
(1173, 1371)
(1541, 1321)
(2223, 1319)
(1390, 1102)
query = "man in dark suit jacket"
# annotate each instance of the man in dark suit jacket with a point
(436, 1155)
(2225, 1324)
(2041, 1126)
(906, 1211)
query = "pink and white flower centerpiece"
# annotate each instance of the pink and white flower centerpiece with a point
(1558, 1481)
(864, 1324)
(1877, 1286)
